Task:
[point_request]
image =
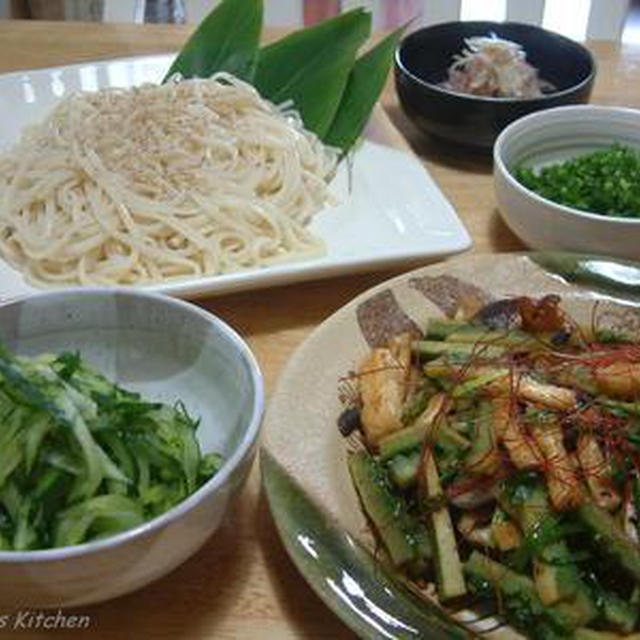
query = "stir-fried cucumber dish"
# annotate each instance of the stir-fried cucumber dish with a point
(499, 458)
(82, 459)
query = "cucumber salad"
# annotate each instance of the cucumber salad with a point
(498, 457)
(83, 459)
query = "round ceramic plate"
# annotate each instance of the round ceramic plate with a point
(304, 458)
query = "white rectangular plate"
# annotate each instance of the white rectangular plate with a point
(390, 210)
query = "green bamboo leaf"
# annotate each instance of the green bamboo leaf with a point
(311, 67)
(226, 40)
(366, 82)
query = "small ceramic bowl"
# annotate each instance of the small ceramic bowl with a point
(555, 136)
(168, 350)
(423, 59)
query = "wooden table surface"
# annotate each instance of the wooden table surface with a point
(242, 584)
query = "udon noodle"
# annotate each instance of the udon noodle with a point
(185, 179)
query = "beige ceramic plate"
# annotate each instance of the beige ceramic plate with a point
(304, 460)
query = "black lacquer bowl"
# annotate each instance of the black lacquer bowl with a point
(423, 58)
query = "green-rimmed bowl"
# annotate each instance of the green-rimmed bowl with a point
(304, 457)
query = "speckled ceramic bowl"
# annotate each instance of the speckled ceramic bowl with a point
(167, 350)
(554, 136)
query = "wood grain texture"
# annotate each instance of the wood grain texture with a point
(242, 585)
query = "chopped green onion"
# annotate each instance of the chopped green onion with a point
(605, 182)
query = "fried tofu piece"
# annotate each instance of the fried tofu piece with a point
(597, 473)
(619, 380)
(382, 383)
(522, 449)
(526, 388)
(563, 483)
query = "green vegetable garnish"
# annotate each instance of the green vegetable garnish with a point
(82, 459)
(605, 182)
(366, 82)
(226, 40)
(311, 67)
(315, 68)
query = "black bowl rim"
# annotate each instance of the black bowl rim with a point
(400, 66)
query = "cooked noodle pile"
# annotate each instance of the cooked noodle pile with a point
(191, 178)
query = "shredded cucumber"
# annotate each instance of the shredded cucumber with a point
(82, 459)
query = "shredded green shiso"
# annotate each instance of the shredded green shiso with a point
(605, 182)
(83, 459)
